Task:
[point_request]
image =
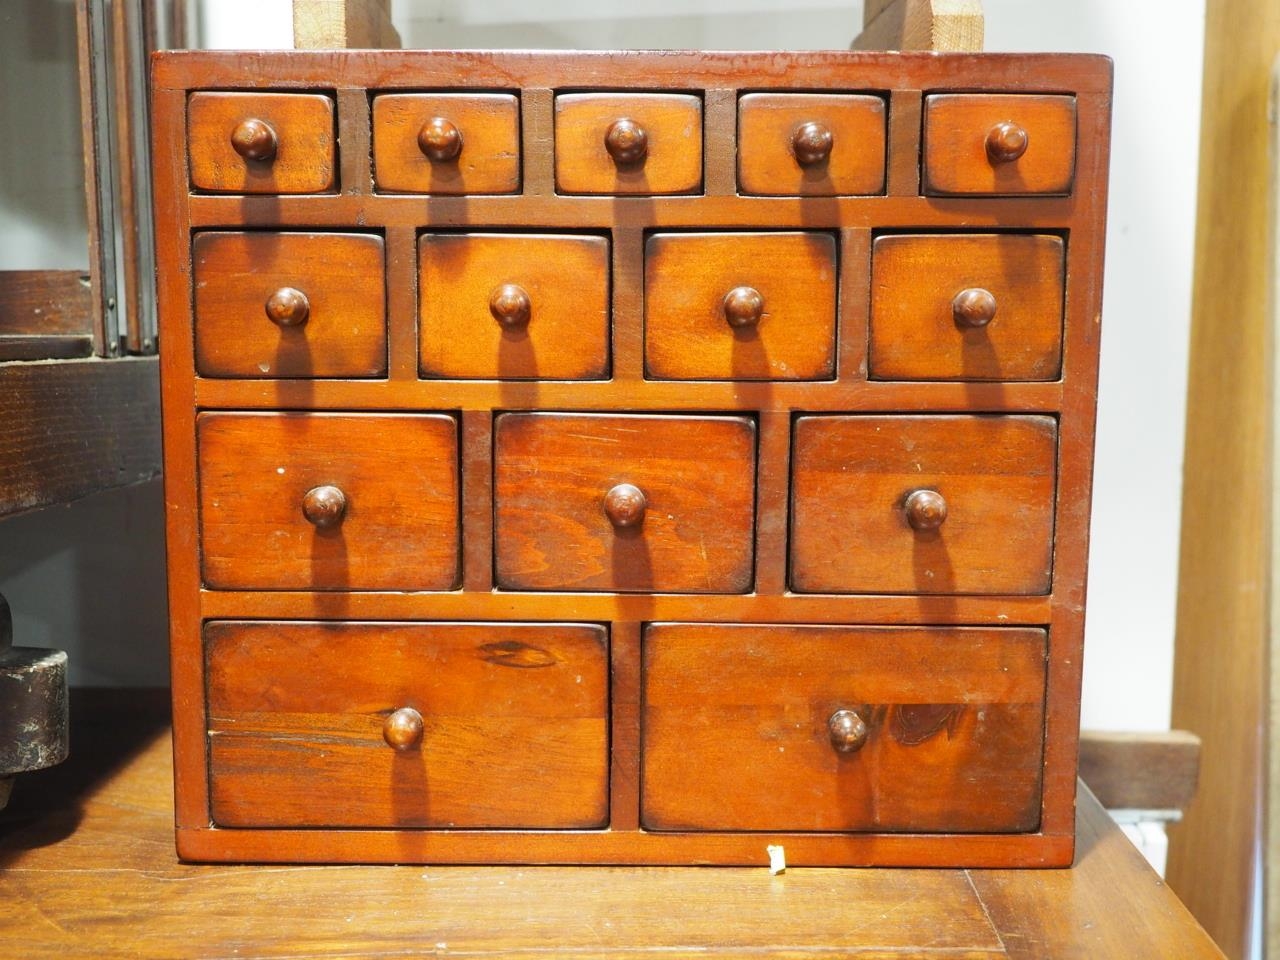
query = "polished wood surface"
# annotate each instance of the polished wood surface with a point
(446, 143)
(262, 142)
(511, 725)
(972, 307)
(289, 304)
(999, 144)
(740, 306)
(856, 529)
(744, 712)
(89, 870)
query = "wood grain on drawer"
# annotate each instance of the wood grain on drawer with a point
(495, 725)
(289, 305)
(638, 143)
(923, 504)
(270, 518)
(740, 306)
(446, 143)
(967, 307)
(261, 142)
(999, 144)
(513, 306)
(934, 729)
(811, 144)
(624, 502)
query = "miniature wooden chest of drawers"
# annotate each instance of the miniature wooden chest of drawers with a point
(628, 457)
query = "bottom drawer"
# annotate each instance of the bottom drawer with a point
(818, 728)
(407, 725)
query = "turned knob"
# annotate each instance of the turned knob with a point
(848, 731)
(624, 505)
(288, 307)
(626, 142)
(974, 307)
(811, 143)
(1006, 142)
(254, 139)
(324, 507)
(440, 140)
(925, 510)
(403, 729)
(510, 305)
(743, 307)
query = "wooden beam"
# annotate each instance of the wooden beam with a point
(343, 24)
(1140, 771)
(938, 25)
(74, 427)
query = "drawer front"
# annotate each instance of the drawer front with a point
(819, 728)
(981, 307)
(446, 143)
(811, 144)
(637, 143)
(289, 305)
(495, 306)
(999, 144)
(923, 504)
(328, 501)
(262, 142)
(740, 306)
(625, 503)
(407, 725)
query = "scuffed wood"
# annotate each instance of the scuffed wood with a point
(1141, 771)
(343, 25)
(938, 25)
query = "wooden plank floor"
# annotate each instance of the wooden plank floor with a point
(87, 868)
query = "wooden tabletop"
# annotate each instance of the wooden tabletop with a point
(87, 868)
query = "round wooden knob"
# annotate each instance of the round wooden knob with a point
(626, 142)
(974, 307)
(925, 510)
(254, 139)
(288, 307)
(440, 140)
(403, 729)
(510, 305)
(624, 505)
(811, 144)
(1006, 142)
(324, 507)
(743, 307)
(848, 731)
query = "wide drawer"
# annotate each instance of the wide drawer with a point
(822, 728)
(328, 501)
(628, 143)
(513, 306)
(624, 502)
(967, 307)
(407, 725)
(262, 142)
(740, 306)
(923, 504)
(289, 305)
(446, 143)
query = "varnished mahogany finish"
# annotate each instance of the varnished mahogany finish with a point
(539, 536)
(446, 143)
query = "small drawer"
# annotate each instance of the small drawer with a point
(740, 306)
(822, 728)
(513, 306)
(446, 143)
(967, 307)
(624, 502)
(811, 144)
(923, 504)
(407, 724)
(999, 145)
(328, 501)
(262, 142)
(637, 143)
(289, 305)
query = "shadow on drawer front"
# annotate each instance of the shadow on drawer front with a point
(817, 728)
(407, 725)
